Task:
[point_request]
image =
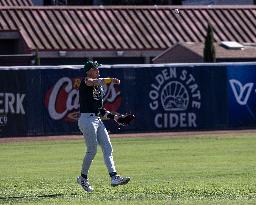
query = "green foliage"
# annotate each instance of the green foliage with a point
(209, 49)
(37, 58)
(199, 170)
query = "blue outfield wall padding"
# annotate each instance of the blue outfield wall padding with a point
(35, 110)
(14, 102)
(44, 100)
(241, 84)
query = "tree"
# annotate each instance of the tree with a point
(209, 49)
(37, 58)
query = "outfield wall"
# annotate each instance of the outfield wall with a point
(169, 97)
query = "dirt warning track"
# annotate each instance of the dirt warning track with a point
(151, 134)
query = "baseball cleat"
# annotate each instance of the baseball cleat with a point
(118, 180)
(84, 184)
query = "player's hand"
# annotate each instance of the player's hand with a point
(115, 81)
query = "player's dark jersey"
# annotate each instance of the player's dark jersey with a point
(90, 98)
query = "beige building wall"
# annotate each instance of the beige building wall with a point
(178, 54)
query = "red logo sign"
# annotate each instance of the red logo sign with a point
(62, 100)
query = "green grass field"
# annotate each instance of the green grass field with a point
(216, 169)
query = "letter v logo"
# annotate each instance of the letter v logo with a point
(241, 92)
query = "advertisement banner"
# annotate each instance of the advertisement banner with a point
(13, 103)
(242, 95)
(172, 98)
(179, 98)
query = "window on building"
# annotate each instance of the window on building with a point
(9, 46)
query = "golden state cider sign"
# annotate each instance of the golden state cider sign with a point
(175, 97)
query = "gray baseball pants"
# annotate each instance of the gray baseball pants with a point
(95, 132)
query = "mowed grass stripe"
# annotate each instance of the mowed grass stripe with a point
(200, 170)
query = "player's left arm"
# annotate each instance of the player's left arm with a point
(107, 114)
(101, 81)
(120, 119)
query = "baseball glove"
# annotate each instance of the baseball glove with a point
(125, 119)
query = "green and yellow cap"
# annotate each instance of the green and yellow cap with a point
(90, 64)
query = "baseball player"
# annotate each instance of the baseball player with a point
(90, 124)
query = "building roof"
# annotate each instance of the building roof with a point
(195, 51)
(16, 3)
(249, 51)
(97, 28)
